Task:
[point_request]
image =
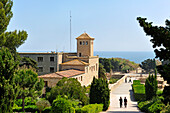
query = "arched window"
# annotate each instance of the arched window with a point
(83, 42)
(80, 42)
(86, 42)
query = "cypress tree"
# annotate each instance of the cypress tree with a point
(100, 93)
(151, 86)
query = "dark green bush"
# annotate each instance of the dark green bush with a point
(113, 80)
(61, 105)
(91, 108)
(28, 101)
(30, 108)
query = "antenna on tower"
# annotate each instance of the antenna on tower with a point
(70, 31)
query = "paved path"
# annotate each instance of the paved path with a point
(123, 90)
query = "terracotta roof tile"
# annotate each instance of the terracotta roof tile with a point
(51, 75)
(70, 73)
(85, 36)
(75, 62)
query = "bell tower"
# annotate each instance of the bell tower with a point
(84, 45)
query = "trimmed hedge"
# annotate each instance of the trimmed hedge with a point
(91, 108)
(136, 82)
(139, 90)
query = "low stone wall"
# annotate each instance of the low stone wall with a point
(113, 86)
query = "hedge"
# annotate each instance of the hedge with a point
(91, 108)
(139, 90)
(136, 82)
(31, 108)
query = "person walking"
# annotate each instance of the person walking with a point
(125, 102)
(120, 100)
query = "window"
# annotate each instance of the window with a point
(80, 42)
(86, 42)
(96, 66)
(40, 69)
(81, 78)
(40, 59)
(46, 83)
(51, 59)
(79, 54)
(83, 42)
(51, 69)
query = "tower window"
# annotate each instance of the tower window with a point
(80, 42)
(83, 42)
(86, 42)
(51, 59)
(79, 54)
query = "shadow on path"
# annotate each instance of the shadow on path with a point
(132, 98)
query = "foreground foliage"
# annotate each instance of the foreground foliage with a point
(69, 87)
(8, 88)
(100, 93)
(161, 42)
(29, 84)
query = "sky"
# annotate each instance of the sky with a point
(112, 23)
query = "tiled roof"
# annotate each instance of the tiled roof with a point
(75, 62)
(61, 74)
(70, 73)
(51, 75)
(85, 36)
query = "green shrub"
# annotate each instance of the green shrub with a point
(113, 80)
(139, 92)
(47, 110)
(91, 108)
(61, 105)
(136, 82)
(156, 107)
(30, 108)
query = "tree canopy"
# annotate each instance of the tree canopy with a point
(102, 71)
(29, 84)
(161, 42)
(100, 93)
(8, 68)
(71, 88)
(148, 65)
(14, 39)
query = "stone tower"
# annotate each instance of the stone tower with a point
(84, 45)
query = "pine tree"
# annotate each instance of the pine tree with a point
(29, 84)
(8, 88)
(100, 93)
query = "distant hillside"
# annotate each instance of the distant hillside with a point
(118, 64)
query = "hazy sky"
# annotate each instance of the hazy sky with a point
(112, 23)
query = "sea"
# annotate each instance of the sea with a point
(136, 56)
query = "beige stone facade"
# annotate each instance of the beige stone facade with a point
(82, 65)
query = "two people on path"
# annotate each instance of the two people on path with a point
(121, 101)
(130, 81)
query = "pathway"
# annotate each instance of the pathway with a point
(123, 90)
